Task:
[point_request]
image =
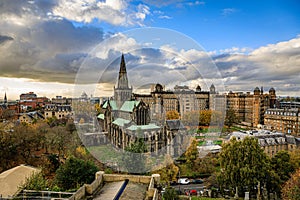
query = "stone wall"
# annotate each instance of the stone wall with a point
(101, 177)
(80, 194)
(121, 177)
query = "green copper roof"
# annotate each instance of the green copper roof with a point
(105, 104)
(100, 116)
(143, 127)
(129, 105)
(112, 103)
(120, 122)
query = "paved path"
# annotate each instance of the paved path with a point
(109, 191)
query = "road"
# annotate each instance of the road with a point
(190, 186)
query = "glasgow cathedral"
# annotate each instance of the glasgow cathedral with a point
(125, 118)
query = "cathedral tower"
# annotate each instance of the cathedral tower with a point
(5, 98)
(122, 92)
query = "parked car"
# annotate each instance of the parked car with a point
(197, 181)
(184, 181)
(191, 192)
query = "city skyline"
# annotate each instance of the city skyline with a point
(43, 44)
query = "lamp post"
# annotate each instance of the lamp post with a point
(179, 182)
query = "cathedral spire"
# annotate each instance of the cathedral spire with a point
(123, 80)
(122, 92)
(5, 98)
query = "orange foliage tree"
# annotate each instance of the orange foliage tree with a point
(172, 114)
(291, 189)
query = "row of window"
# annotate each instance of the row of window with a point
(282, 113)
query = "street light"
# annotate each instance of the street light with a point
(179, 182)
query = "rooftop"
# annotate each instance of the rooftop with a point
(11, 179)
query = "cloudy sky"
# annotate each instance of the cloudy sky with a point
(48, 46)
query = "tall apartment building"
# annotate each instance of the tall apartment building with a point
(285, 120)
(182, 99)
(250, 108)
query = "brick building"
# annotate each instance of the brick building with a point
(250, 108)
(285, 120)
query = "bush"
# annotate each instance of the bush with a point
(35, 182)
(74, 173)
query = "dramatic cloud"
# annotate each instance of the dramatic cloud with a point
(116, 12)
(49, 51)
(275, 65)
(4, 38)
(37, 41)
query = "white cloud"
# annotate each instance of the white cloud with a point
(228, 11)
(235, 50)
(164, 17)
(87, 10)
(115, 12)
(195, 3)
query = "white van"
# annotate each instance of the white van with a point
(183, 181)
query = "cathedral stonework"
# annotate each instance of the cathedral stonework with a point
(125, 118)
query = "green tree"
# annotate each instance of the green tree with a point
(74, 173)
(231, 117)
(170, 194)
(134, 159)
(35, 182)
(282, 166)
(291, 189)
(243, 163)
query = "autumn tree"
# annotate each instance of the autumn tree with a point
(169, 172)
(191, 153)
(172, 114)
(295, 158)
(206, 165)
(291, 189)
(8, 150)
(205, 117)
(243, 163)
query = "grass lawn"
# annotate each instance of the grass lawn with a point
(217, 142)
(200, 143)
(105, 153)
